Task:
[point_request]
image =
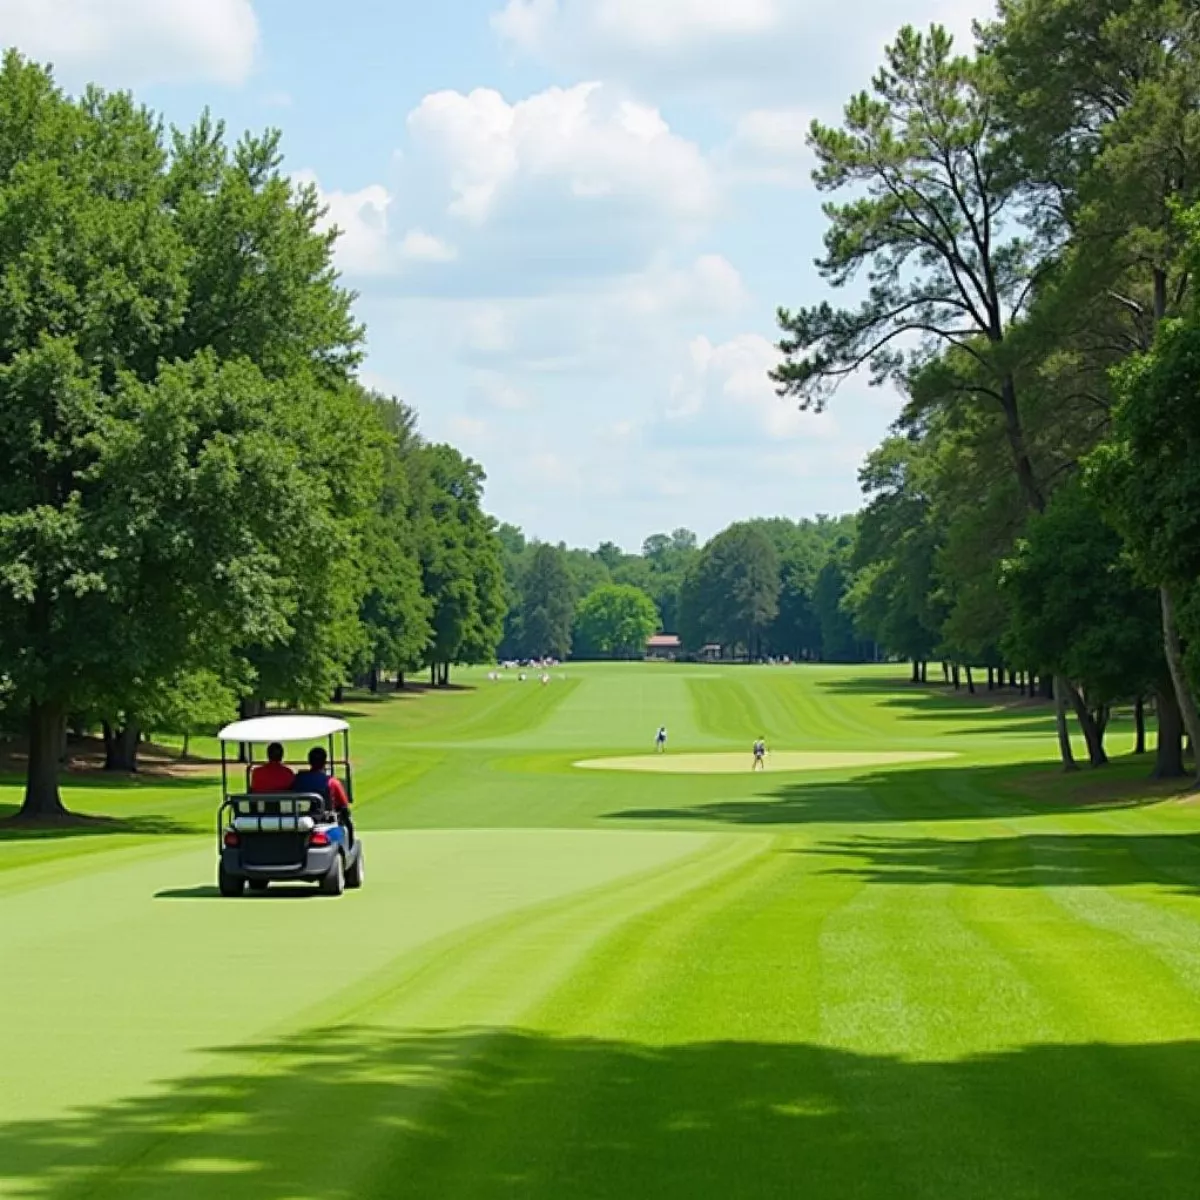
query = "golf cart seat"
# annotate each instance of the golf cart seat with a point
(276, 813)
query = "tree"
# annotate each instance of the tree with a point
(731, 594)
(1077, 608)
(894, 593)
(547, 605)
(159, 360)
(616, 620)
(1146, 476)
(461, 564)
(1101, 99)
(610, 554)
(395, 613)
(930, 221)
(839, 641)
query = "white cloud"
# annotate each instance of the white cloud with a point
(365, 246)
(419, 246)
(711, 284)
(774, 133)
(361, 218)
(724, 396)
(585, 143)
(533, 24)
(766, 47)
(129, 42)
(496, 391)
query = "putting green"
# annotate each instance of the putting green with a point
(777, 762)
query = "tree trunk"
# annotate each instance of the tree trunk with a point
(1174, 652)
(1022, 683)
(42, 799)
(970, 681)
(1060, 722)
(1046, 687)
(187, 741)
(373, 678)
(399, 681)
(433, 674)
(925, 671)
(121, 747)
(991, 684)
(954, 675)
(1139, 724)
(339, 693)
(1093, 734)
(1168, 753)
(916, 671)
(1026, 478)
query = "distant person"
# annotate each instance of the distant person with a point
(760, 755)
(274, 775)
(660, 740)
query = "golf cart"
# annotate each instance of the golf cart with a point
(285, 836)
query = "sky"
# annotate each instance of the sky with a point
(569, 223)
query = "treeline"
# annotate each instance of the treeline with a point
(202, 509)
(1026, 222)
(765, 588)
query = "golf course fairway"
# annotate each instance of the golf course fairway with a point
(917, 963)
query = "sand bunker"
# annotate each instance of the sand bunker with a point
(777, 763)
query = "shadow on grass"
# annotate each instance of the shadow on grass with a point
(938, 699)
(1027, 860)
(931, 794)
(14, 830)
(210, 892)
(502, 1113)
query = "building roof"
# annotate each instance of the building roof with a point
(665, 640)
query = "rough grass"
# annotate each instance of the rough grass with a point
(969, 978)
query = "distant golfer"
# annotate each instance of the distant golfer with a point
(660, 740)
(760, 755)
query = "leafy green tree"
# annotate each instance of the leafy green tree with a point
(547, 605)
(461, 562)
(731, 594)
(894, 594)
(1101, 100)
(1146, 477)
(394, 612)
(586, 571)
(839, 641)
(930, 220)
(616, 621)
(610, 554)
(1077, 607)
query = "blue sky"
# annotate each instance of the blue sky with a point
(569, 222)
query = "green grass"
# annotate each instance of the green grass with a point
(962, 979)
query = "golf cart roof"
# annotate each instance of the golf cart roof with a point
(301, 727)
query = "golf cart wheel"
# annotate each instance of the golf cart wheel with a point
(334, 882)
(356, 872)
(230, 885)
(259, 885)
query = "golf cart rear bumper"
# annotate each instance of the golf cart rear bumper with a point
(316, 865)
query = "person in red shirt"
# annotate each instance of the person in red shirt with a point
(273, 776)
